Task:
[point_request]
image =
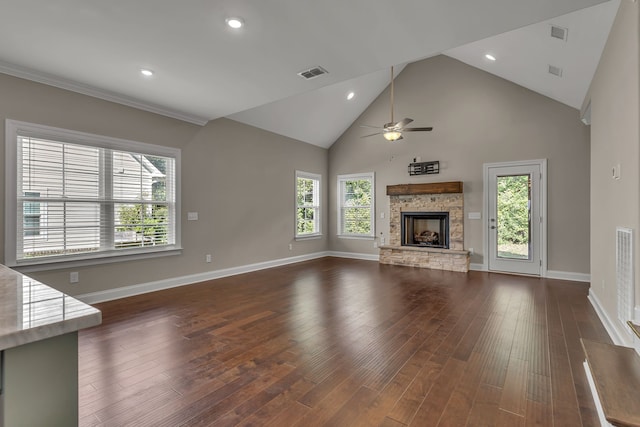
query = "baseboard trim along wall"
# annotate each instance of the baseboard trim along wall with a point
(567, 275)
(549, 274)
(607, 322)
(367, 257)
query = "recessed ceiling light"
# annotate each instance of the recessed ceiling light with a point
(350, 96)
(235, 22)
(146, 72)
(490, 57)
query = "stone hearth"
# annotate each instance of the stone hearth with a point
(437, 197)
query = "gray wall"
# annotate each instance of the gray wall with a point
(240, 179)
(477, 118)
(615, 139)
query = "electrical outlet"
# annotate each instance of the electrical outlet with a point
(74, 277)
(207, 258)
(290, 246)
(382, 240)
(470, 251)
(375, 244)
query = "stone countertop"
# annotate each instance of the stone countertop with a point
(425, 249)
(32, 311)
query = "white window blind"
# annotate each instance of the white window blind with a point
(356, 194)
(307, 204)
(76, 199)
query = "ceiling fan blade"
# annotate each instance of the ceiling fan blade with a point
(427, 129)
(371, 134)
(369, 126)
(402, 123)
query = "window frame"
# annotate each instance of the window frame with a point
(341, 180)
(317, 206)
(13, 129)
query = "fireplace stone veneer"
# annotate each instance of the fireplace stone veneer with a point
(453, 259)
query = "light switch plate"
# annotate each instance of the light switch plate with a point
(475, 215)
(192, 216)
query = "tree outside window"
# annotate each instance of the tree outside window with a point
(356, 202)
(307, 204)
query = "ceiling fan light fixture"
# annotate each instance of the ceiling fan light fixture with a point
(391, 135)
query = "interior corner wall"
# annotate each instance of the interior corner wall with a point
(477, 118)
(240, 179)
(615, 140)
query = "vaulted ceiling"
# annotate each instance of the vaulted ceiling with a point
(205, 70)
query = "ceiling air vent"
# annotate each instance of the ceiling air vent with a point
(559, 32)
(313, 72)
(556, 71)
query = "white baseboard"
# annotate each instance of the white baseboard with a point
(607, 322)
(353, 255)
(143, 288)
(551, 274)
(567, 275)
(478, 267)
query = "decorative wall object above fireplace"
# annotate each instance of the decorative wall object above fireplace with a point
(424, 168)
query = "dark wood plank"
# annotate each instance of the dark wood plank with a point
(425, 188)
(342, 342)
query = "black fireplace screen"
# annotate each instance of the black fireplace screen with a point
(425, 229)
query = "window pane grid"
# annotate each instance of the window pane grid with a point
(356, 205)
(72, 199)
(307, 204)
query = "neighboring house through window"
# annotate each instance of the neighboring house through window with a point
(307, 204)
(101, 196)
(32, 214)
(356, 205)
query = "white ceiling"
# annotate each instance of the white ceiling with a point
(204, 70)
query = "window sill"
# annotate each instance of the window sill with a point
(309, 237)
(105, 258)
(345, 236)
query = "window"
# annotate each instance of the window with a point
(356, 205)
(307, 204)
(100, 196)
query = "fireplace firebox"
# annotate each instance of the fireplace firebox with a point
(425, 229)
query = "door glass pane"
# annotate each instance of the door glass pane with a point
(513, 217)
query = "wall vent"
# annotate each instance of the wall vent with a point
(556, 71)
(559, 32)
(624, 274)
(313, 72)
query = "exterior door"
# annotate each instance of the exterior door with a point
(515, 217)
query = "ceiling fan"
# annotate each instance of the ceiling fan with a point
(392, 131)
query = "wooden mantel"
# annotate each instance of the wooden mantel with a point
(427, 188)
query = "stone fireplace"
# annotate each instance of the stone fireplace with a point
(426, 227)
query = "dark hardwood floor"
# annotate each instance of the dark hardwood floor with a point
(342, 342)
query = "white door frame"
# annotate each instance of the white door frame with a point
(542, 163)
